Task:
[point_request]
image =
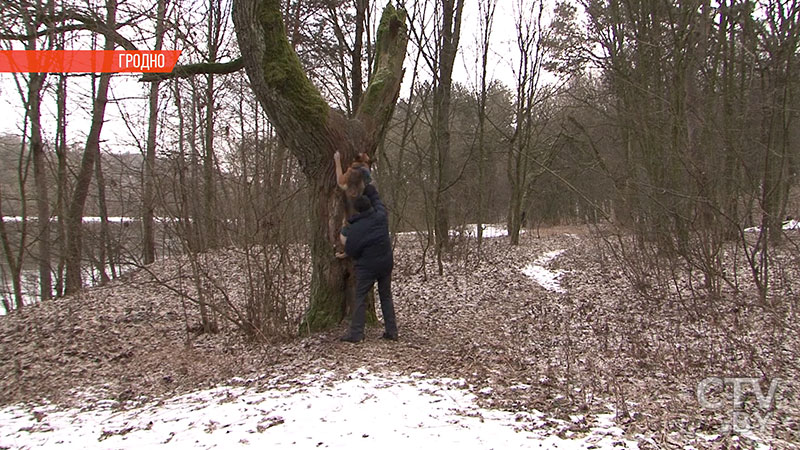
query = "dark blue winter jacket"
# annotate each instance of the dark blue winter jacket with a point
(368, 241)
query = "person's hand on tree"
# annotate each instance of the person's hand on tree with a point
(341, 255)
(337, 156)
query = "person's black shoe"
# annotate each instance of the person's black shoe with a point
(350, 338)
(389, 336)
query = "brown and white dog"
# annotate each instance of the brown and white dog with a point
(357, 175)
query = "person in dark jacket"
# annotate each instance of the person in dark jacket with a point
(366, 240)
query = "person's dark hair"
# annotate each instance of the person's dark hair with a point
(362, 203)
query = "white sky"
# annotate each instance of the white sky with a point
(126, 86)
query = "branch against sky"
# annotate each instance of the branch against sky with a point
(188, 70)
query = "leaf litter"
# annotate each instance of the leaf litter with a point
(487, 358)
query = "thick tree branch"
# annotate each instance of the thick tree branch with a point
(377, 106)
(293, 104)
(189, 70)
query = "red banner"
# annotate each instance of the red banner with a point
(88, 61)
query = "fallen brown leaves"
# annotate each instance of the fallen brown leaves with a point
(598, 347)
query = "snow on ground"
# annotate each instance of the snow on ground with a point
(545, 277)
(489, 230)
(364, 410)
(86, 219)
(471, 230)
(787, 226)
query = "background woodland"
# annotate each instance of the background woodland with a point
(670, 126)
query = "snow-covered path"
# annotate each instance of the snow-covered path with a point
(364, 410)
(539, 272)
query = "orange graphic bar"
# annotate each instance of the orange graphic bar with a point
(88, 61)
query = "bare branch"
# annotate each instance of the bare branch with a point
(85, 23)
(189, 70)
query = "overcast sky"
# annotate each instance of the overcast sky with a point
(125, 86)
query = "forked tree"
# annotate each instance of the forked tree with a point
(313, 131)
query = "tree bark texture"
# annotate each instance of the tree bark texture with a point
(313, 132)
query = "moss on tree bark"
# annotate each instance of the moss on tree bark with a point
(313, 132)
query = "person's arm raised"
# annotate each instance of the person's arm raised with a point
(340, 178)
(372, 193)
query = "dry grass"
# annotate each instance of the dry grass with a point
(599, 346)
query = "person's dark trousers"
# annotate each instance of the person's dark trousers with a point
(364, 284)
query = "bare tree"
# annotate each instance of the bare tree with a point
(15, 256)
(23, 15)
(529, 151)
(438, 44)
(449, 34)
(74, 232)
(485, 25)
(313, 132)
(13, 259)
(349, 49)
(148, 200)
(61, 177)
(702, 130)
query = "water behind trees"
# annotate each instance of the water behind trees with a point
(103, 258)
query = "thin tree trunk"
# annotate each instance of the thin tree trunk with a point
(487, 9)
(61, 180)
(103, 243)
(148, 202)
(209, 194)
(14, 262)
(209, 157)
(91, 153)
(517, 175)
(356, 72)
(15, 258)
(185, 226)
(209, 189)
(194, 193)
(35, 84)
(40, 178)
(450, 32)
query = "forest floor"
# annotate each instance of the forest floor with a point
(541, 345)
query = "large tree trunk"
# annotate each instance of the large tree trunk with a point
(313, 132)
